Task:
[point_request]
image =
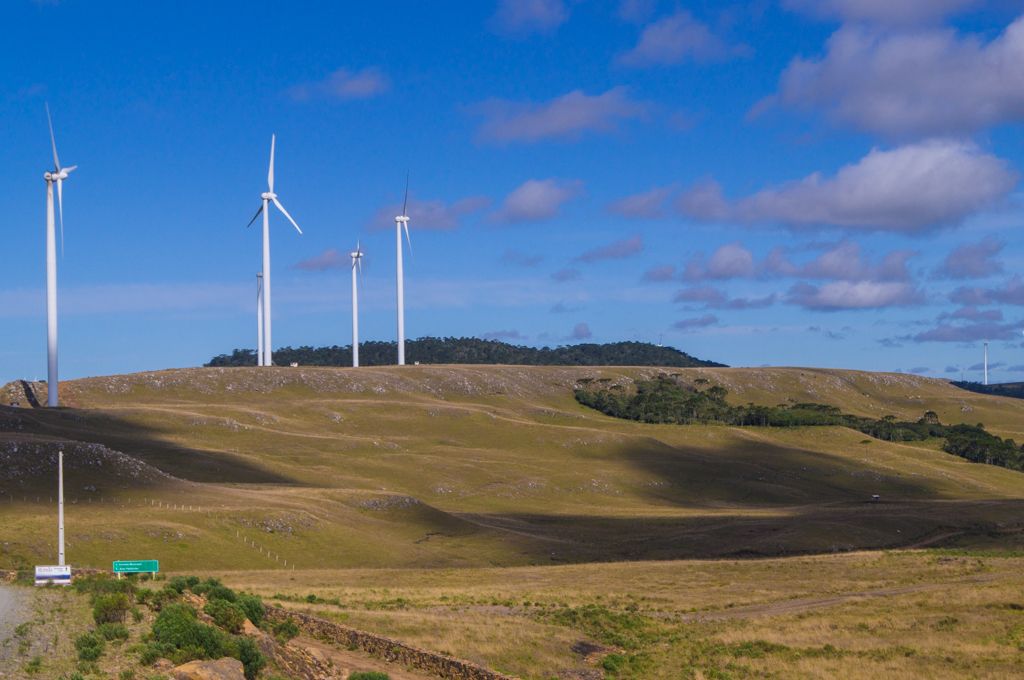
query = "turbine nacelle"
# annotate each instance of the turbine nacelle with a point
(402, 218)
(268, 195)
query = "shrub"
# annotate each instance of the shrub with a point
(127, 674)
(285, 630)
(368, 675)
(153, 651)
(178, 627)
(110, 608)
(89, 646)
(112, 631)
(253, 607)
(34, 666)
(252, 660)
(227, 615)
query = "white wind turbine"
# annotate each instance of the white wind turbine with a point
(402, 222)
(357, 268)
(267, 197)
(259, 318)
(986, 362)
(55, 176)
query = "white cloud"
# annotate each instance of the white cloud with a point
(909, 189)
(920, 83)
(841, 295)
(730, 261)
(676, 38)
(566, 117)
(344, 84)
(537, 199)
(519, 18)
(973, 260)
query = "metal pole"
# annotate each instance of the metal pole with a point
(60, 508)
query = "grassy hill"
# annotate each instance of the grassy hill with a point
(479, 466)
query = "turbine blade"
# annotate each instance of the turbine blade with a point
(285, 212)
(270, 172)
(405, 201)
(255, 216)
(60, 211)
(407, 240)
(53, 141)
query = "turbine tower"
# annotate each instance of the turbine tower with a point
(55, 176)
(267, 197)
(986, 362)
(357, 268)
(259, 318)
(402, 222)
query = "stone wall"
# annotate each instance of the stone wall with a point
(386, 648)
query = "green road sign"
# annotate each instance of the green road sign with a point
(136, 566)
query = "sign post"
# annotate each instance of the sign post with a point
(122, 567)
(56, 574)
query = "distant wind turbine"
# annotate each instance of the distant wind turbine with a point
(357, 269)
(57, 175)
(259, 318)
(267, 197)
(402, 222)
(986, 362)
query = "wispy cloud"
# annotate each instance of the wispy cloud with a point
(567, 117)
(567, 274)
(521, 18)
(329, 259)
(520, 259)
(648, 205)
(902, 13)
(431, 214)
(660, 274)
(677, 38)
(537, 199)
(504, 335)
(696, 323)
(973, 260)
(581, 331)
(344, 84)
(614, 251)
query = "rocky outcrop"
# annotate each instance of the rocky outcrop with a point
(221, 669)
(385, 648)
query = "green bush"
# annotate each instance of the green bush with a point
(253, 607)
(110, 608)
(285, 630)
(112, 631)
(127, 674)
(89, 646)
(227, 615)
(152, 651)
(177, 626)
(252, 660)
(368, 675)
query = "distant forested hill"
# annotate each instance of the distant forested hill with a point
(1015, 390)
(474, 351)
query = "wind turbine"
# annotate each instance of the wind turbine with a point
(986, 362)
(55, 176)
(402, 222)
(357, 268)
(267, 197)
(259, 318)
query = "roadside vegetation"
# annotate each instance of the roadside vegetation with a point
(668, 399)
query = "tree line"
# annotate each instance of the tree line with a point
(431, 350)
(667, 399)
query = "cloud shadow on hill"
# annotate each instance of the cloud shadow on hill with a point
(139, 441)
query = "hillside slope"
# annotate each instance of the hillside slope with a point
(487, 465)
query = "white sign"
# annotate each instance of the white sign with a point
(46, 575)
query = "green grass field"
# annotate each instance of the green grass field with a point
(491, 483)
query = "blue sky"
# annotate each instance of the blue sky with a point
(791, 182)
